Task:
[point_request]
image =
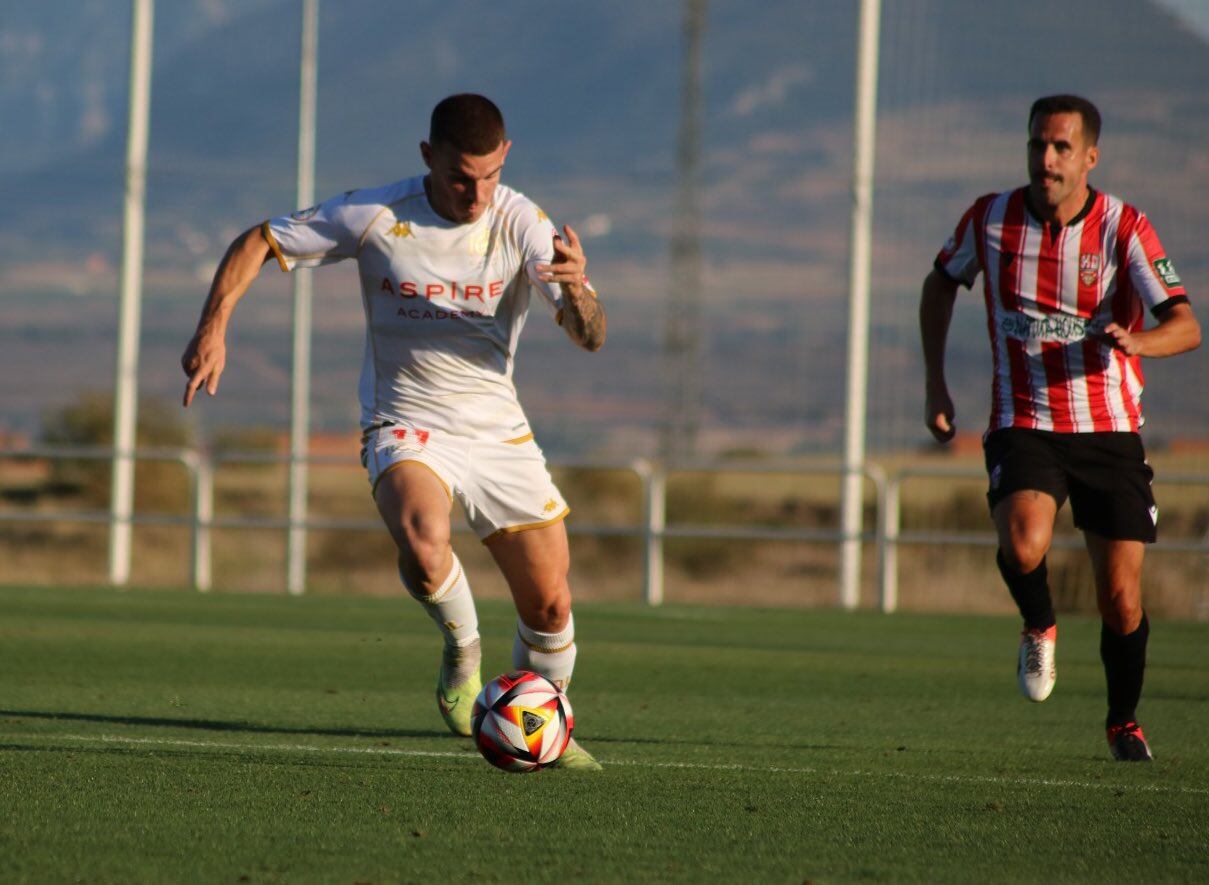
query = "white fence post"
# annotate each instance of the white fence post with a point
(203, 516)
(654, 523)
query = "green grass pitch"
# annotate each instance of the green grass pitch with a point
(159, 737)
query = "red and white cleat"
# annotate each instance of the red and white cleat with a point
(1035, 670)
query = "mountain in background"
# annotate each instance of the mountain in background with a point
(590, 92)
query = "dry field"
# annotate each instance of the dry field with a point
(778, 573)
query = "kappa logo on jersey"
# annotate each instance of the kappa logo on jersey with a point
(304, 214)
(401, 434)
(541, 216)
(1162, 266)
(950, 244)
(1089, 268)
(401, 229)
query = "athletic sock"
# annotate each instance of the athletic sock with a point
(1031, 593)
(550, 654)
(1124, 660)
(452, 608)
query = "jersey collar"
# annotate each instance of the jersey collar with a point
(1083, 213)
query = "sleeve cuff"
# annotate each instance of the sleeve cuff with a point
(1163, 306)
(272, 241)
(939, 266)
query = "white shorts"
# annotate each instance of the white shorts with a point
(502, 486)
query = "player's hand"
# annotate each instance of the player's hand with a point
(1122, 339)
(939, 415)
(568, 265)
(203, 361)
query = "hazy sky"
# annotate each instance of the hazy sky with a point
(1194, 12)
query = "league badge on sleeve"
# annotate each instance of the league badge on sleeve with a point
(1166, 272)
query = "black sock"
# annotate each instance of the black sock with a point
(1124, 660)
(1031, 593)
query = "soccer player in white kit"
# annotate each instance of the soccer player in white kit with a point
(449, 262)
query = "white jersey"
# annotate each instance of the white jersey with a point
(444, 302)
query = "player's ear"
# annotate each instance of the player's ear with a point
(426, 153)
(507, 147)
(1093, 157)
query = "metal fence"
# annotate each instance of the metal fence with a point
(653, 529)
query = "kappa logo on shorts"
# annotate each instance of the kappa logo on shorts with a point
(996, 476)
(550, 505)
(1089, 268)
(1154, 515)
(401, 434)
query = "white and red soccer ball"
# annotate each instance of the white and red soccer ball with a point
(521, 721)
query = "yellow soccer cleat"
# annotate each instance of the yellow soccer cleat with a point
(576, 758)
(457, 702)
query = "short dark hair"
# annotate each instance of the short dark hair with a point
(469, 123)
(1069, 104)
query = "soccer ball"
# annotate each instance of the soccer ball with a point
(521, 721)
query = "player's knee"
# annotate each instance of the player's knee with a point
(550, 615)
(1121, 609)
(1026, 551)
(424, 552)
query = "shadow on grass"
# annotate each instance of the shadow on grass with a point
(250, 728)
(219, 725)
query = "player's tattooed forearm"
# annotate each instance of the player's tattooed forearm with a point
(584, 320)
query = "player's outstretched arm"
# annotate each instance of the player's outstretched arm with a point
(1177, 332)
(935, 315)
(582, 314)
(206, 354)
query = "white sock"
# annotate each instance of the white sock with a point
(452, 607)
(549, 654)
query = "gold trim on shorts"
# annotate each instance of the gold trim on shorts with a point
(398, 464)
(529, 526)
(519, 440)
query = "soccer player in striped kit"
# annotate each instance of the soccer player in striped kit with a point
(1068, 275)
(448, 262)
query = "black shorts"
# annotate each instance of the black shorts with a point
(1104, 474)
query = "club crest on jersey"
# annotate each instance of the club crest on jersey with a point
(480, 242)
(1089, 268)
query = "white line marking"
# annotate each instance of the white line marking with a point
(697, 766)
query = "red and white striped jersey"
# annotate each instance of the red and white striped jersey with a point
(1049, 294)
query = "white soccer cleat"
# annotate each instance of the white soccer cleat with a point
(1035, 670)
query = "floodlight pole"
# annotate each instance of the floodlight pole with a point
(300, 387)
(682, 330)
(130, 296)
(860, 259)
